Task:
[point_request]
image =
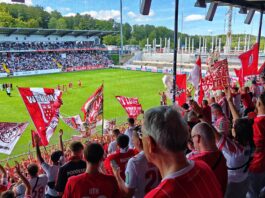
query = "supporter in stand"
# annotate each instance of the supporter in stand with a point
(206, 110)
(74, 166)
(3, 180)
(257, 165)
(92, 183)
(113, 145)
(247, 101)
(206, 150)
(165, 136)
(51, 170)
(236, 99)
(129, 131)
(121, 157)
(13, 194)
(221, 124)
(224, 104)
(141, 176)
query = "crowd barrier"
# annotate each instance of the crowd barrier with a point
(36, 72)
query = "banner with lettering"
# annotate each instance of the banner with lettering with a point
(9, 135)
(131, 105)
(43, 105)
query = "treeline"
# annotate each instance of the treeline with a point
(22, 16)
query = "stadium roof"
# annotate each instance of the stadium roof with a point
(49, 32)
(258, 5)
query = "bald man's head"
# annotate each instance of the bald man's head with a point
(203, 136)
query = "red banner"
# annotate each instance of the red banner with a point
(9, 135)
(181, 87)
(93, 107)
(131, 105)
(43, 106)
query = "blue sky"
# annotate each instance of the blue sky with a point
(162, 14)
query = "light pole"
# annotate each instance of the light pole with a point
(121, 52)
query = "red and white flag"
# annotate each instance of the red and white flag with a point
(181, 87)
(131, 105)
(43, 105)
(9, 135)
(219, 75)
(196, 74)
(93, 107)
(249, 61)
(75, 122)
(109, 125)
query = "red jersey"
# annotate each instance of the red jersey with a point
(196, 180)
(257, 165)
(91, 185)
(121, 158)
(207, 112)
(246, 100)
(217, 162)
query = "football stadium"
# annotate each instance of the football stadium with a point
(111, 99)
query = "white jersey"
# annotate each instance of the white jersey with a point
(141, 175)
(129, 132)
(236, 156)
(51, 172)
(112, 147)
(40, 185)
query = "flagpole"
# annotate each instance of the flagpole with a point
(103, 109)
(175, 51)
(260, 27)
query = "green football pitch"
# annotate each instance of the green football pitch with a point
(143, 85)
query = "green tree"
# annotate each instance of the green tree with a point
(61, 24)
(6, 20)
(33, 23)
(52, 23)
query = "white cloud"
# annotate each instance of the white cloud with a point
(103, 14)
(194, 17)
(49, 9)
(27, 2)
(140, 18)
(64, 9)
(70, 14)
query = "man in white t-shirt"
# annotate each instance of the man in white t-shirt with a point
(129, 131)
(51, 170)
(37, 182)
(141, 176)
(113, 145)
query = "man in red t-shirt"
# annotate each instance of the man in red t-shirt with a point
(206, 111)
(257, 165)
(92, 183)
(206, 150)
(121, 157)
(247, 101)
(165, 136)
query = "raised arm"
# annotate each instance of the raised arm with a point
(3, 170)
(61, 140)
(37, 142)
(127, 192)
(24, 179)
(232, 107)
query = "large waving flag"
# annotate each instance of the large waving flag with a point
(9, 135)
(249, 61)
(75, 122)
(239, 74)
(131, 105)
(5, 68)
(93, 107)
(181, 87)
(195, 75)
(43, 105)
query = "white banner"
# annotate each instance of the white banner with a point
(2, 75)
(36, 72)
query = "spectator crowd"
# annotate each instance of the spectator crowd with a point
(30, 61)
(212, 150)
(20, 46)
